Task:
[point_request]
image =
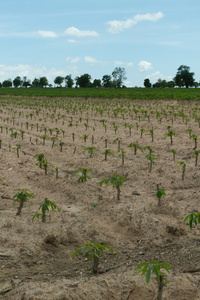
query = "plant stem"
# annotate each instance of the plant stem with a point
(160, 288)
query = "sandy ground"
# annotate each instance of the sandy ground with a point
(35, 257)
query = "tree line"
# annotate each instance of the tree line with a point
(83, 81)
(183, 78)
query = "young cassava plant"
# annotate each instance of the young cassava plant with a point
(155, 267)
(22, 196)
(92, 251)
(44, 207)
(159, 194)
(84, 175)
(192, 218)
(116, 180)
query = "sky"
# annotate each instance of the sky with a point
(150, 39)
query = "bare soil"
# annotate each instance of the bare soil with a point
(35, 257)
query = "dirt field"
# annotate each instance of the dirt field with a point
(35, 257)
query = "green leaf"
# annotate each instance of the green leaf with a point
(148, 275)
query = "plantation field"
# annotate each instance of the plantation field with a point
(77, 133)
(108, 93)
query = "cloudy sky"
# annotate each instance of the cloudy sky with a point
(150, 39)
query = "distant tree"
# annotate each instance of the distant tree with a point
(83, 81)
(171, 84)
(147, 83)
(107, 81)
(184, 77)
(43, 82)
(0, 85)
(69, 82)
(17, 82)
(96, 83)
(59, 80)
(26, 82)
(36, 82)
(119, 75)
(7, 83)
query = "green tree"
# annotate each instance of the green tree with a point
(107, 81)
(17, 82)
(7, 83)
(119, 75)
(96, 83)
(69, 82)
(43, 82)
(184, 77)
(83, 81)
(59, 80)
(36, 82)
(26, 82)
(147, 83)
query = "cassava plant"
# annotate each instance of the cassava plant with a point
(159, 194)
(182, 163)
(84, 175)
(155, 267)
(151, 160)
(116, 181)
(192, 218)
(135, 146)
(61, 145)
(170, 134)
(92, 251)
(44, 207)
(17, 148)
(90, 150)
(22, 196)
(196, 154)
(194, 138)
(174, 153)
(108, 152)
(41, 160)
(122, 154)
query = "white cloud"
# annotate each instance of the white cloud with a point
(72, 41)
(118, 26)
(158, 75)
(73, 60)
(123, 64)
(91, 60)
(47, 34)
(144, 66)
(80, 33)
(35, 71)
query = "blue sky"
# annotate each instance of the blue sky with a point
(150, 39)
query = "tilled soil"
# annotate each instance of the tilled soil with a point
(36, 257)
